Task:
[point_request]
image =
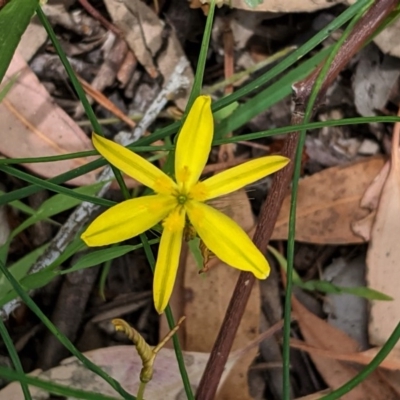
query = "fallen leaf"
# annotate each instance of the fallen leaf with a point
(124, 364)
(328, 202)
(34, 126)
(144, 33)
(374, 77)
(317, 333)
(391, 362)
(383, 255)
(370, 201)
(315, 396)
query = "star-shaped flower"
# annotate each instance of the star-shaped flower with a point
(182, 199)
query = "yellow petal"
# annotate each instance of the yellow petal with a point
(133, 165)
(168, 258)
(194, 143)
(235, 178)
(128, 219)
(226, 239)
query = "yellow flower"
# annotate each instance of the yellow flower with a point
(184, 198)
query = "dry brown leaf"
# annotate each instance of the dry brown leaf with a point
(328, 202)
(370, 201)
(124, 365)
(34, 126)
(383, 255)
(392, 361)
(315, 396)
(320, 334)
(144, 33)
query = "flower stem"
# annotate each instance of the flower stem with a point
(140, 392)
(171, 324)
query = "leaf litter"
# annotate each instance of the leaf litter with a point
(329, 206)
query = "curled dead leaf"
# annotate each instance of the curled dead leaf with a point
(328, 203)
(383, 255)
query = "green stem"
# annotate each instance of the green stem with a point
(382, 354)
(79, 90)
(61, 337)
(292, 218)
(14, 357)
(140, 392)
(171, 324)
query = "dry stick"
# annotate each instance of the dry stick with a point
(367, 25)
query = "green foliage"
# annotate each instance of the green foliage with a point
(230, 114)
(14, 19)
(328, 287)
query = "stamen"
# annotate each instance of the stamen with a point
(163, 186)
(199, 192)
(183, 174)
(174, 221)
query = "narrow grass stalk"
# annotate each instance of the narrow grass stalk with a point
(293, 203)
(79, 90)
(247, 136)
(294, 57)
(201, 64)
(61, 337)
(382, 354)
(47, 184)
(171, 324)
(14, 357)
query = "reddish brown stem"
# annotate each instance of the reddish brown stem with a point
(269, 213)
(96, 15)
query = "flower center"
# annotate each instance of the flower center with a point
(181, 198)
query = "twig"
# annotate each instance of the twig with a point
(96, 15)
(269, 213)
(83, 212)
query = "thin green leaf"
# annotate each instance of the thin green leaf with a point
(269, 96)
(19, 269)
(201, 63)
(79, 90)
(371, 367)
(47, 184)
(62, 338)
(295, 184)
(328, 287)
(14, 357)
(97, 257)
(226, 111)
(194, 247)
(55, 205)
(14, 19)
(7, 87)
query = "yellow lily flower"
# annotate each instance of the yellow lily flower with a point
(184, 198)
